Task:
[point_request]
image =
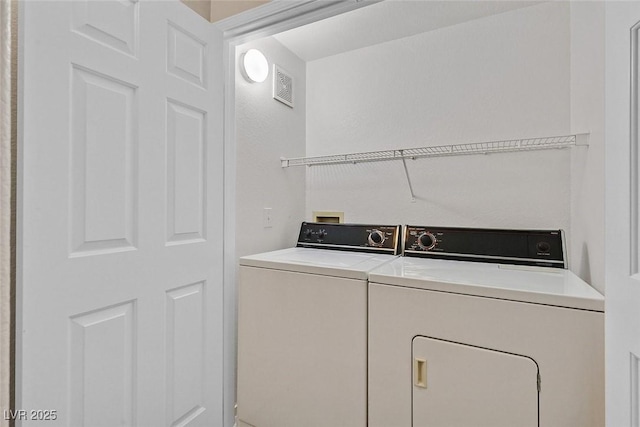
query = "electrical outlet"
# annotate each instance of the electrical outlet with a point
(267, 218)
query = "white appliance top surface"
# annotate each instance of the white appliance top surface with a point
(352, 265)
(540, 285)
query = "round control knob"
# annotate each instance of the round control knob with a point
(426, 241)
(308, 233)
(322, 234)
(544, 247)
(376, 238)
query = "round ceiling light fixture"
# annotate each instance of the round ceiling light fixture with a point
(255, 66)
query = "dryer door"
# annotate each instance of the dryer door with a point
(461, 385)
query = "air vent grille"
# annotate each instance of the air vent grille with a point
(282, 86)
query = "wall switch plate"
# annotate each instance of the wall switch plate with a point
(267, 218)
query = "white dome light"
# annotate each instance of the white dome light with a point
(255, 65)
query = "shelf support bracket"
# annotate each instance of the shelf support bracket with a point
(582, 139)
(406, 172)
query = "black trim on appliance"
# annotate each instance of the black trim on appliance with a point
(383, 239)
(519, 247)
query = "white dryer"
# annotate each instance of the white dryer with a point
(478, 327)
(302, 327)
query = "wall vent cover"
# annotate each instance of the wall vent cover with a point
(282, 86)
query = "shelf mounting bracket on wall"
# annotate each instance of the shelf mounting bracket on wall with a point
(503, 146)
(406, 172)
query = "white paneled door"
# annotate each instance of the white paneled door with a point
(622, 311)
(120, 249)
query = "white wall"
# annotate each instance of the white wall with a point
(587, 115)
(265, 131)
(531, 72)
(500, 77)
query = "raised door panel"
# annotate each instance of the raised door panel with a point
(110, 23)
(186, 56)
(103, 171)
(185, 354)
(457, 385)
(103, 367)
(186, 173)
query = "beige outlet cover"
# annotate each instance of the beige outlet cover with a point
(328, 216)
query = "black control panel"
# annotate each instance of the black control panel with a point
(384, 239)
(520, 247)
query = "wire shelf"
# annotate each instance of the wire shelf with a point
(512, 145)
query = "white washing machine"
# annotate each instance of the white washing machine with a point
(302, 327)
(477, 327)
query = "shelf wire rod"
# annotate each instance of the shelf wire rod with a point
(489, 147)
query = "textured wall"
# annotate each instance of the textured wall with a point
(265, 131)
(8, 152)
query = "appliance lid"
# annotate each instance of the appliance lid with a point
(549, 286)
(351, 265)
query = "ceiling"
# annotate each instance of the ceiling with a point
(222, 9)
(386, 21)
(217, 10)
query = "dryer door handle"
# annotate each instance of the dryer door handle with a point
(420, 372)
